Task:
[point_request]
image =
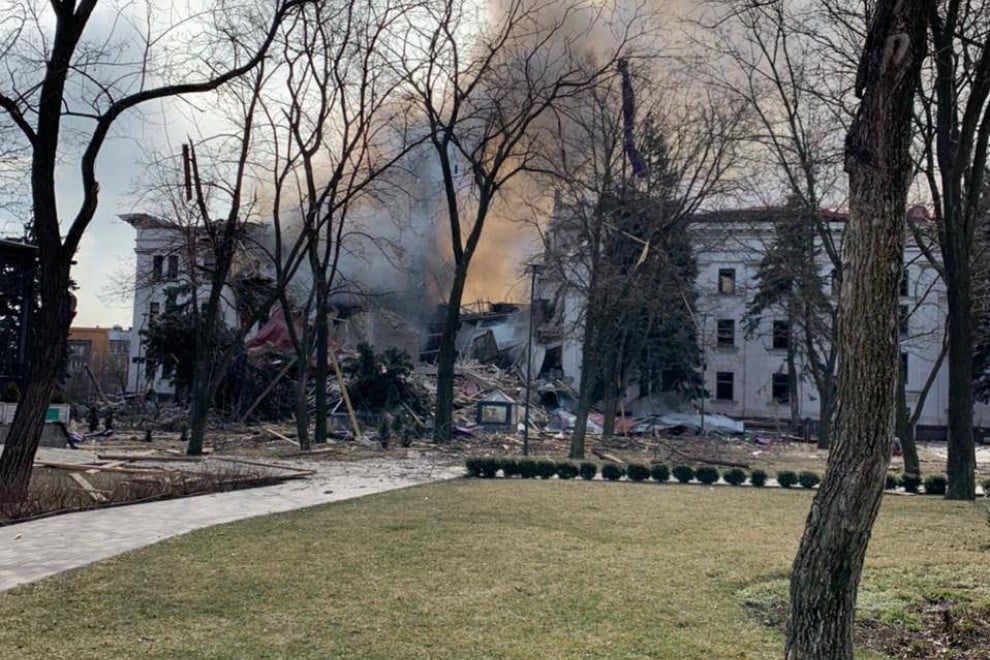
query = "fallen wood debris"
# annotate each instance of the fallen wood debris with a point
(95, 494)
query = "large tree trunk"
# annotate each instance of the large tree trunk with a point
(322, 371)
(47, 349)
(826, 409)
(610, 406)
(199, 401)
(589, 373)
(829, 562)
(961, 462)
(447, 356)
(302, 407)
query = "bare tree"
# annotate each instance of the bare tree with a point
(617, 233)
(49, 49)
(829, 562)
(484, 87)
(955, 129)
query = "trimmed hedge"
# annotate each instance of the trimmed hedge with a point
(734, 477)
(786, 478)
(683, 473)
(545, 469)
(527, 468)
(660, 473)
(910, 482)
(567, 470)
(706, 474)
(808, 479)
(936, 484)
(637, 472)
(588, 470)
(612, 472)
(473, 466)
(758, 478)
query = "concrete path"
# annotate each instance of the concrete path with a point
(33, 550)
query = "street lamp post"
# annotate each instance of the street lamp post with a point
(535, 268)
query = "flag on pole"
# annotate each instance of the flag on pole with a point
(628, 119)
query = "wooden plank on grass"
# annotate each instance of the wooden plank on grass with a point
(96, 495)
(281, 436)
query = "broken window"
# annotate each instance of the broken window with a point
(173, 266)
(781, 334)
(724, 381)
(727, 281)
(780, 388)
(902, 320)
(157, 262)
(726, 332)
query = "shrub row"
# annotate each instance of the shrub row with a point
(489, 467)
(935, 484)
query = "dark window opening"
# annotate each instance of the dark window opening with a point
(904, 368)
(781, 334)
(724, 386)
(902, 320)
(173, 267)
(905, 283)
(727, 281)
(726, 335)
(157, 263)
(780, 388)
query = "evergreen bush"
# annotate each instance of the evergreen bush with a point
(706, 474)
(786, 478)
(734, 477)
(545, 469)
(527, 468)
(808, 479)
(936, 484)
(637, 472)
(567, 470)
(758, 478)
(890, 482)
(510, 468)
(612, 472)
(588, 471)
(910, 482)
(683, 473)
(660, 473)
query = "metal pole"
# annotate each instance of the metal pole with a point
(529, 359)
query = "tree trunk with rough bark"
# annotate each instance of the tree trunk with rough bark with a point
(961, 462)
(447, 357)
(47, 348)
(829, 562)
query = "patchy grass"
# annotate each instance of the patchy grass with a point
(489, 569)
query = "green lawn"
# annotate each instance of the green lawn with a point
(489, 569)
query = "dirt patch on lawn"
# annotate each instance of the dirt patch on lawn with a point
(932, 629)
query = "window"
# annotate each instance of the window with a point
(904, 368)
(727, 281)
(780, 389)
(902, 320)
(724, 386)
(781, 334)
(726, 332)
(153, 310)
(157, 262)
(905, 283)
(173, 266)
(171, 306)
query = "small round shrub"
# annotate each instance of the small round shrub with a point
(910, 482)
(890, 482)
(588, 470)
(567, 470)
(706, 474)
(612, 472)
(510, 468)
(758, 478)
(786, 478)
(660, 473)
(935, 484)
(734, 477)
(546, 469)
(637, 472)
(683, 473)
(808, 479)
(473, 466)
(527, 468)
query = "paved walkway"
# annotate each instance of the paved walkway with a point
(33, 550)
